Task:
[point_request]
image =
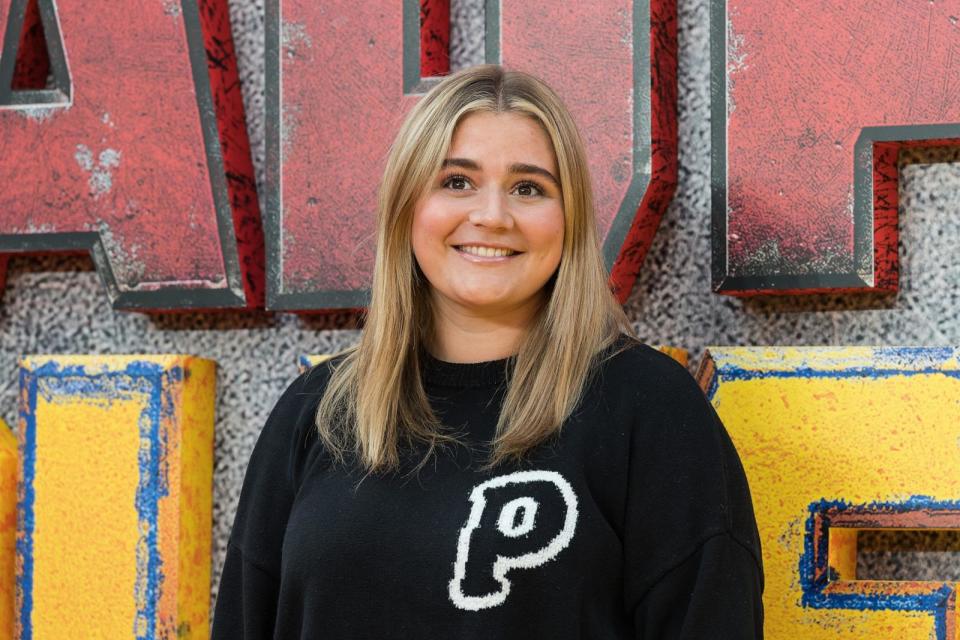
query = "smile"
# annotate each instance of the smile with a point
(480, 251)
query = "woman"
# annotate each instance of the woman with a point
(498, 457)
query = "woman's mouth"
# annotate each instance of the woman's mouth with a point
(483, 253)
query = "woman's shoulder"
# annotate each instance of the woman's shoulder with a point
(297, 402)
(314, 378)
(633, 361)
(657, 391)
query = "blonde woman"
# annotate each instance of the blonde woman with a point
(498, 457)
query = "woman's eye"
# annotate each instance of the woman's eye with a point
(528, 189)
(457, 183)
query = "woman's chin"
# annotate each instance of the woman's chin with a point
(481, 298)
(484, 302)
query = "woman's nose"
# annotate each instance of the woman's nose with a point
(493, 210)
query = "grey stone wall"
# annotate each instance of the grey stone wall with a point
(57, 304)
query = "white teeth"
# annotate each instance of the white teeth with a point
(486, 252)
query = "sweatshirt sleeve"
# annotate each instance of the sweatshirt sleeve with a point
(247, 600)
(692, 551)
(249, 586)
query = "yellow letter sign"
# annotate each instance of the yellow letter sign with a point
(836, 441)
(114, 525)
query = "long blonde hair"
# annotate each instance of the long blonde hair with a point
(374, 401)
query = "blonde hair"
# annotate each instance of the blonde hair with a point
(374, 401)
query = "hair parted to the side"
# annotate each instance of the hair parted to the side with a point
(374, 401)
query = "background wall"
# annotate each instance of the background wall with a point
(57, 304)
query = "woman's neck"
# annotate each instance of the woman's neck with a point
(469, 335)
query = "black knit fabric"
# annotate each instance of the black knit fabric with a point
(454, 374)
(635, 521)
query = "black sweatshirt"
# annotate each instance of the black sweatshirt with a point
(634, 522)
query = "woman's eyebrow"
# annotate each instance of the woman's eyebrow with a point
(516, 167)
(463, 163)
(520, 167)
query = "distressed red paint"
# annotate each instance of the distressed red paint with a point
(341, 100)
(235, 144)
(802, 85)
(663, 148)
(434, 37)
(124, 171)
(33, 63)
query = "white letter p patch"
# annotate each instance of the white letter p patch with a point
(526, 518)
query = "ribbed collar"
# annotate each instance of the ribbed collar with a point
(464, 374)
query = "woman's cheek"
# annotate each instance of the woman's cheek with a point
(432, 224)
(546, 231)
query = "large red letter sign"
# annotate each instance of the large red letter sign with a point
(138, 153)
(811, 103)
(341, 75)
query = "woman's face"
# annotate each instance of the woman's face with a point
(488, 232)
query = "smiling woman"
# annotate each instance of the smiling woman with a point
(579, 484)
(488, 234)
(488, 159)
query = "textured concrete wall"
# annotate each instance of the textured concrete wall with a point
(57, 305)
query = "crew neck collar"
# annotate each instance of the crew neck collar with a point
(464, 374)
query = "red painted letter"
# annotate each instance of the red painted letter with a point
(811, 102)
(137, 153)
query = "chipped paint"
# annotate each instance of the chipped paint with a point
(131, 438)
(39, 114)
(289, 124)
(30, 227)
(101, 175)
(853, 436)
(824, 589)
(84, 157)
(736, 51)
(803, 104)
(736, 60)
(172, 8)
(185, 155)
(128, 268)
(294, 35)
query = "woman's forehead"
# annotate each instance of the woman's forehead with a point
(507, 137)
